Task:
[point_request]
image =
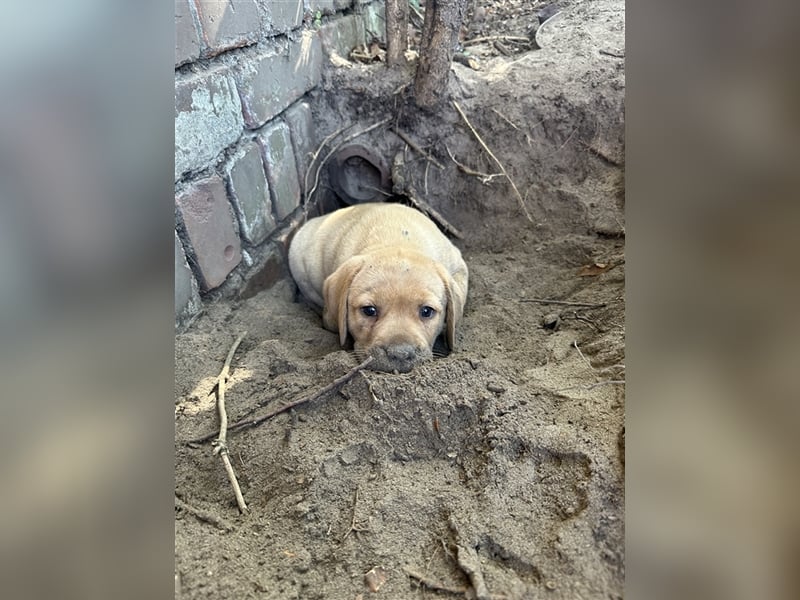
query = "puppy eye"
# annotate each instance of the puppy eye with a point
(426, 312)
(369, 311)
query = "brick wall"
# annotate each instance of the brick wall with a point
(245, 75)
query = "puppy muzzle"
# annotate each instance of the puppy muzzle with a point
(398, 357)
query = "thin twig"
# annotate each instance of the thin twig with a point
(601, 155)
(589, 322)
(374, 189)
(468, 561)
(334, 149)
(485, 178)
(510, 122)
(610, 53)
(494, 38)
(586, 360)
(564, 302)
(416, 147)
(499, 164)
(500, 47)
(434, 585)
(314, 157)
(246, 423)
(434, 214)
(353, 527)
(505, 118)
(569, 137)
(203, 515)
(221, 444)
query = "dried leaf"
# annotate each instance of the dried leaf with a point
(375, 578)
(594, 269)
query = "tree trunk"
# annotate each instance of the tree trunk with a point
(443, 20)
(396, 32)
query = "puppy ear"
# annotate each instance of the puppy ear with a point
(334, 293)
(456, 291)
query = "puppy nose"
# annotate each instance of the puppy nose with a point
(401, 352)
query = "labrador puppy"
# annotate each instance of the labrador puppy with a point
(386, 275)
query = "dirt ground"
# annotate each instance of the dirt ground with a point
(496, 471)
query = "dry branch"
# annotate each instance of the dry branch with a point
(586, 360)
(245, 423)
(401, 187)
(495, 38)
(203, 515)
(407, 139)
(330, 153)
(485, 178)
(562, 302)
(468, 561)
(434, 585)
(499, 164)
(311, 165)
(354, 528)
(435, 215)
(610, 53)
(221, 444)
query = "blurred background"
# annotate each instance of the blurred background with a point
(86, 303)
(713, 203)
(86, 324)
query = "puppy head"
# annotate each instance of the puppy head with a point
(394, 304)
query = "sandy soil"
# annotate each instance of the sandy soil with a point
(497, 470)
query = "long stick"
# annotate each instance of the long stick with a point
(335, 148)
(434, 585)
(563, 302)
(221, 444)
(244, 423)
(407, 139)
(435, 215)
(499, 164)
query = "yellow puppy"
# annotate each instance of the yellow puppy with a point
(385, 274)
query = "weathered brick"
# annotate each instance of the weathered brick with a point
(187, 298)
(208, 118)
(286, 14)
(228, 24)
(341, 35)
(250, 193)
(284, 187)
(210, 229)
(187, 42)
(301, 126)
(273, 82)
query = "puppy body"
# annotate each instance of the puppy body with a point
(385, 274)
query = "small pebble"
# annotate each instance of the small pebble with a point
(550, 585)
(551, 321)
(497, 389)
